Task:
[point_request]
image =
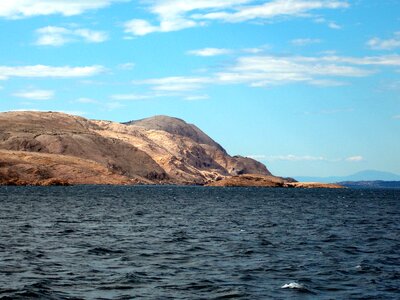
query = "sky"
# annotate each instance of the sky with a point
(308, 87)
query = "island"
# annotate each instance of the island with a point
(53, 148)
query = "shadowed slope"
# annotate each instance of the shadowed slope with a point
(28, 168)
(58, 133)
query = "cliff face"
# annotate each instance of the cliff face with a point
(154, 150)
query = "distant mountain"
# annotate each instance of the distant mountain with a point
(378, 184)
(367, 175)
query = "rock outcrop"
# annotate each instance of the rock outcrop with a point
(268, 181)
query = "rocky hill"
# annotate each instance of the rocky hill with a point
(51, 148)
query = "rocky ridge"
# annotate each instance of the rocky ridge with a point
(155, 150)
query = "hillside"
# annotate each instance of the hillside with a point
(76, 150)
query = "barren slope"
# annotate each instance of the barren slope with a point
(27, 168)
(178, 151)
(58, 133)
(160, 149)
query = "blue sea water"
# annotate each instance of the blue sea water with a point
(163, 242)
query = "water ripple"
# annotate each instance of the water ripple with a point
(100, 242)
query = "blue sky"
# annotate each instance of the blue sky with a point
(307, 87)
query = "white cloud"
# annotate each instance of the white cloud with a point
(197, 97)
(305, 42)
(175, 15)
(327, 82)
(330, 111)
(382, 44)
(357, 158)
(254, 50)
(160, 93)
(39, 71)
(35, 94)
(175, 84)
(292, 158)
(140, 27)
(58, 36)
(383, 60)
(114, 105)
(132, 96)
(86, 101)
(126, 66)
(268, 70)
(210, 52)
(91, 36)
(334, 25)
(273, 9)
(257, 156)
(396, 117)
(14, 9)
(305, 158)
(330, 24)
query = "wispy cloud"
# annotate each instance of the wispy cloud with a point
(113, 105)
(210, 52)
(292, 157)
(86, 101)
(35, 94)
(334, 25)
(305, 42)
(126, 66)
(255, 50)
(356, 158)
(289, 157)
(330, 111)
(16, 9)
(385, 44)
(305, 158)
(109, 106)
(330, 24)
(174, 15)
(58, 36)
(132, 96)
(49, 71)
(267, 70)
(260, 71)
(197, 97)
(396, 117)
(175, 84)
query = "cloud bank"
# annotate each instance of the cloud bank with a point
(17, 9)
(58, 36)
(174, 15)
(40, 71)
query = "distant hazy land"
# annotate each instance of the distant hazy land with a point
(367, 175)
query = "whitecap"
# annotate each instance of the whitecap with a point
(293, 285)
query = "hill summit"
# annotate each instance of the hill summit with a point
(56, 148)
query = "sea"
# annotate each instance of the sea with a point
(168, 242)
